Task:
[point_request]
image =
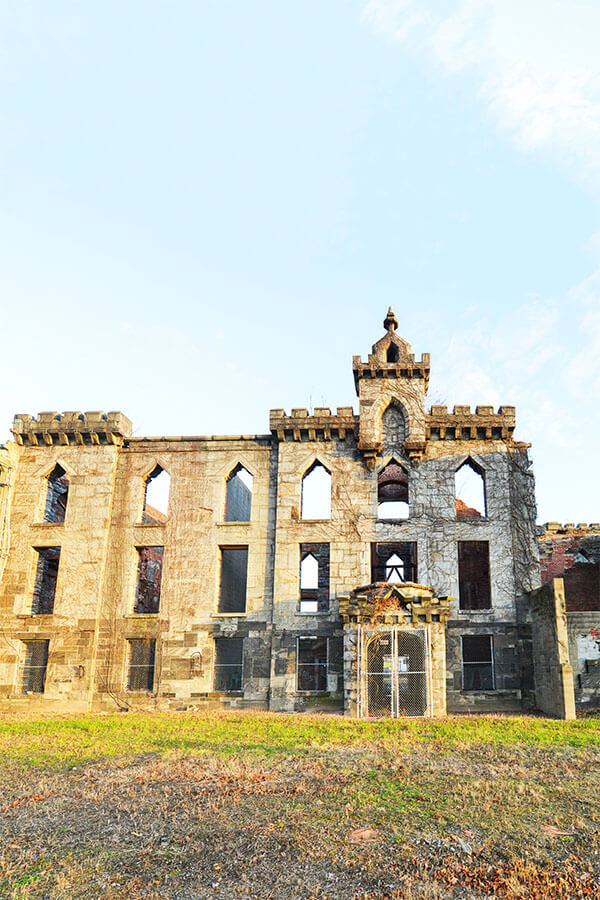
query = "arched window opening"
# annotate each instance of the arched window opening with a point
(392, 493)
(392, 354)
(470, 491)
(393, 426)
(56, 496)
(238, 502)
(316, 493)
(394, 569)
(309, 584)
(156, 497)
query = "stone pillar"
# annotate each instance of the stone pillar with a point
(553, 674)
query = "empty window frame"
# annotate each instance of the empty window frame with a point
(34, 667)
(392, 492)
(46, 575)
(156, 497)
(394, 562)
(316, 493)
(474, 575)
(238, 500)
(311, 667)
(140, 672)
(478, 662)
(469, 483)
(149, 575)
(233, 582)
(314, 578)
(56, 496)
(229, 665)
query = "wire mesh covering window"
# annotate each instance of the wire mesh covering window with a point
(45, 580)
(56, 496)
(147, 598)
(156, 497)
(312, 664)
(35, 665)
(314, 578)
(474, 575)
(478, 662)
(234, 576)
(238, 501)
(394, 562)
(142, 653)
(229, 664)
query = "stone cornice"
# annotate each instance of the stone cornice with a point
(321, 426)
(71, 428)
(462, 424)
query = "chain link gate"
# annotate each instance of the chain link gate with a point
(394, 672)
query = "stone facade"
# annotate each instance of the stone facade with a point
(239, 622)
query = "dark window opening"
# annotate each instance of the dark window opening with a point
(392, 492)
(147, 598)
(314, 578)
(46, 576)
(142, 654)
(474, 575)
(234, 576)
(395, 562)
(392, 354)
(229, 664)
(156, 497)
(478, 665)
(34, 668)
(469, 483)
(238, 503)
(316, 493)
(312, 664)
(57, 496)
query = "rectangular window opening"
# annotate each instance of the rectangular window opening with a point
(46, 577)
(478, 662)
(147, 597)
(34, 668)
(234, 578)
(394, 562)
(142, 653)
(229, 664)
(474, 575)
(314, 578)
(312, 664)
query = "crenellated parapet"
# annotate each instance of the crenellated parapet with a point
(463, 425)
(71, 428)
(322, 425)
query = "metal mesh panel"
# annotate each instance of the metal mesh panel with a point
(234, 574)
(34, 669)
(45, 581)
(394, 673)
(229, 664)
(141, 665)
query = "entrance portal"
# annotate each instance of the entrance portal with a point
(394, 668)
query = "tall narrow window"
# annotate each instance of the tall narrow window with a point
(392, 354)
(156, 497)
(229, 664)
(234, 576)
(46, 576)
(142, 654)
(34, 668)
(478, 662)
(312, 664)
(56, 496)
(470, 491)
(314, 578)
(392, 492)
(238, 503)
(394, 562)
(147, 597)
(316, 493)
(474, 575)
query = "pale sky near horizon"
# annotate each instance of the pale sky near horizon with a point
(207, 206)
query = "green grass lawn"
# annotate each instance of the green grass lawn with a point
(253, 805)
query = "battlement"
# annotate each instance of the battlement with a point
(321, 425)
(405, 367)
(73, 427)
(462, 424)
(551, 529)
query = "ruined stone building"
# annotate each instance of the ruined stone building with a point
(379, 562)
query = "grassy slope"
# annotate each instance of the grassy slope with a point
(257, 805)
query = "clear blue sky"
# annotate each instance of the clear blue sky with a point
(206, 207)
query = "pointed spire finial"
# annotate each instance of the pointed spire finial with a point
(390, 323)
